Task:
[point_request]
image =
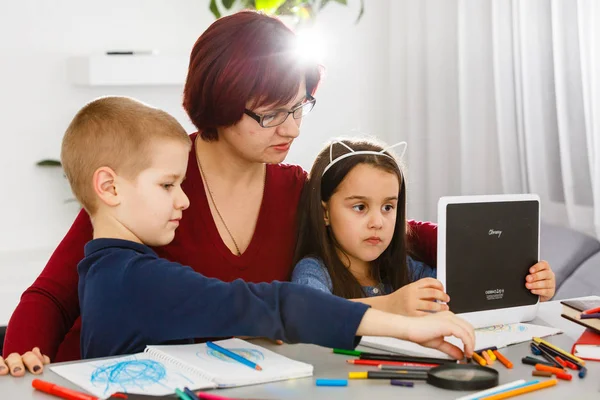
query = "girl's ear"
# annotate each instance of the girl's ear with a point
(325, 213)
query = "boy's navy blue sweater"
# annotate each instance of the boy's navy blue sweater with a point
(130, 298)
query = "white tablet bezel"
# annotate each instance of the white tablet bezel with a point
(486, 318)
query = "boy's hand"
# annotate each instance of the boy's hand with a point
(429, 331)
(418, 297)
(16, 363)
(541, 281)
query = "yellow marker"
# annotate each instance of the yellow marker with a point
(540, 340)
(480, 360)
(492, 355)
(358, 375)
(487, 358)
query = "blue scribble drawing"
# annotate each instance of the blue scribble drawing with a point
(253, 355)
(129, 375)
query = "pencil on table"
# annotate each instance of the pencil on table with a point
(231, 354)
(522, 390)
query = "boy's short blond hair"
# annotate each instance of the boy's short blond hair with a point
(113, 132)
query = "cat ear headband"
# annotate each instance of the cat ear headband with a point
(356, 153)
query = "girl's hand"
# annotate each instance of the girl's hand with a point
(541, 281)
(418, 298)
(16, 363)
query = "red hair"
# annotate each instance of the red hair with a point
(246, 56)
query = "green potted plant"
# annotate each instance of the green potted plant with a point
(301, 10)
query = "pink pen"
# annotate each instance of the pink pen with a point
(208, 396)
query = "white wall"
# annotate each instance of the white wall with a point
(37, 102)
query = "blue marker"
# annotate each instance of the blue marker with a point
(332, 382)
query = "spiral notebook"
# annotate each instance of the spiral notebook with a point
(161, 369)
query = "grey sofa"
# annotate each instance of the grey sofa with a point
(574, 258)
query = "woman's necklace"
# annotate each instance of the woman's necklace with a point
(212, 199)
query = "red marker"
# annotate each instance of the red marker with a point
(60, 391)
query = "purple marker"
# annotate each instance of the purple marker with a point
(398, 382)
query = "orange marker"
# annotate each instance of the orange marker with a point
(487, 357)
(480, 360)
(521, 390)
(503, 359)
(554, 370)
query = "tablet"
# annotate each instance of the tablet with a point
(486, 245)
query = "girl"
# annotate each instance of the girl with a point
(354, 240)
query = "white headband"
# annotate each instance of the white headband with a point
(355, 153)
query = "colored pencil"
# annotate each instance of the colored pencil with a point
(522, 390)
(413, 375)
(565, 353)
(553, 352)
(495, 390)
(376, 363)
(400, 357)
(234, 356)
(402, 368)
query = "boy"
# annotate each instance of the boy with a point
(125, 162)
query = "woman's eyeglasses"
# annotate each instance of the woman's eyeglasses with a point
(278, 117)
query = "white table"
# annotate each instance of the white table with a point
(328, 365)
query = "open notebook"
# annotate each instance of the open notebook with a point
(161, 369)
(497, 335)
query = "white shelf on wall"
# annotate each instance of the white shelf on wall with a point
(128, 70)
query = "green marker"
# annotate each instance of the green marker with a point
(182, 395)
(348, 352)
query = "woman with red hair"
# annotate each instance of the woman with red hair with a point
(246, 92)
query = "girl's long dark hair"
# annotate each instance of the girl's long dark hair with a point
(316, 240)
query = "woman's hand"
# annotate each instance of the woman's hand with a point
(16, 363)
(541, 281)
(418, 298)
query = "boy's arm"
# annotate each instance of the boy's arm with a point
(172, 302)
(175, 302)
(49, 307)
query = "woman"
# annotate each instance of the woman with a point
(246, 92)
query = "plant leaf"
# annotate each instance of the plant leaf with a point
(228, 4)
(344, 2)
(48, 163)
(362, 11)
(214, 9)
(269, 6)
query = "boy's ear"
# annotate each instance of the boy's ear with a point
(325, 213)
(105, 187)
